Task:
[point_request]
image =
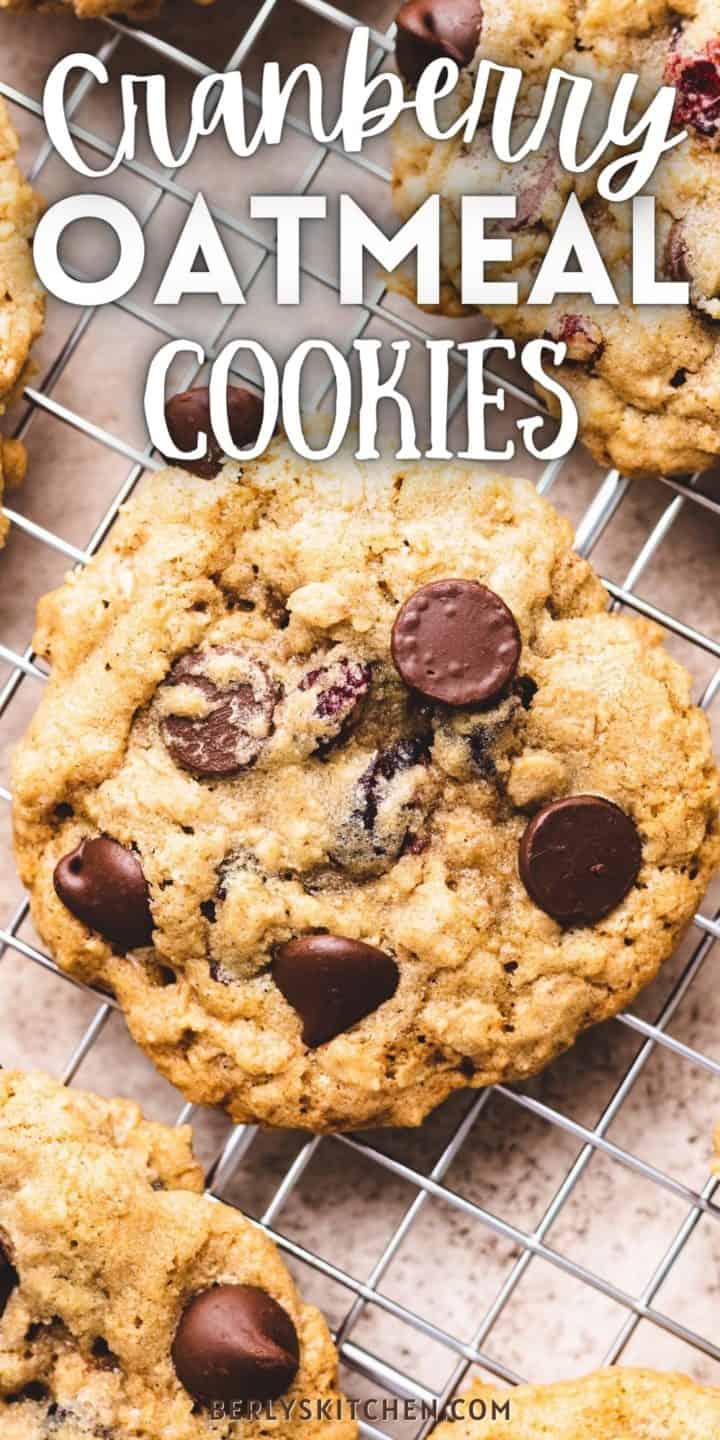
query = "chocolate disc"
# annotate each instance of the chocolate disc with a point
(579, 857)
(436, 30)
(188, 414)
(332, 982)
(237, 718)
(235, 1342)
(456, 641)
(102, 884)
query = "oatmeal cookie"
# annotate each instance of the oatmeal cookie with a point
(129, 1302)
(21, 299)
(646, 380)
(617, 1404)
(349, 788)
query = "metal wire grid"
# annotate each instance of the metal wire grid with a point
(612, 488)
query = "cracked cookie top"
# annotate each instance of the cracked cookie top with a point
(645, 379)
(104, 1336)
(617, 1404)
(348, 786)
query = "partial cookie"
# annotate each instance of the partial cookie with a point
(615, 1404)
(13, 464)
(93, 9)
(22, 305)
(129, 1301)
(313, 735)
(646, 380)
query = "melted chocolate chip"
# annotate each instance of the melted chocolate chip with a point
(340, 689)
(237, 718)
(456, 641)
(102, 884)
(388, 805)
(333, 982)
(436, 30)
(9, 1280)
(579, 857)
(235, 1342)
(188, 414)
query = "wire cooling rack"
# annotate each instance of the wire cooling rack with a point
(390, 1372)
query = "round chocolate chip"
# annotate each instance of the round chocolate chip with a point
(579, 857)
(9, 1279)
(332, 982)
(235, 1342)
(102, 884)
(436, 30)
(188, 414)
(456, 641)
(236, 702)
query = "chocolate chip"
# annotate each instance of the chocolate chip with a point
(102, 884)
(340, 689)
(527, 689)
(9, 1279)
(388, 805)
(188, 413)
(333, 982)
(238, 711)
(235, 1342)
(579, 857)
(456, 641)
(436, 30)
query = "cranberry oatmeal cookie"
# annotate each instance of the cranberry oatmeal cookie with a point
(349, 788)
(21, 298)
(617, 1404)
(103, 1334)
(646, 380)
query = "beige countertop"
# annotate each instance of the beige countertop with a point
(450, 1266)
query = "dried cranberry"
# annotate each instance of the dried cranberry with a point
(340, 689)
(582, 336)
(386, 812)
